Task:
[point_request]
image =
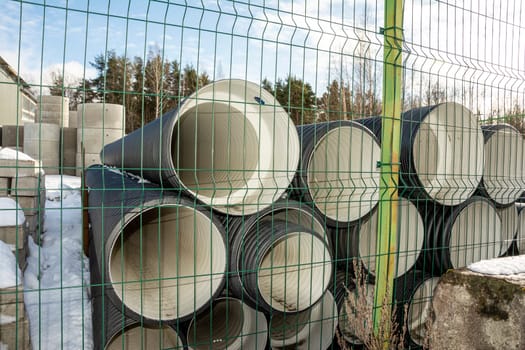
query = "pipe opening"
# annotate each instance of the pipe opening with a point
(222, 326)
(503, 171)
(286, 326)
(137, 337)
(418, 310)
(168, 263)
(299, 217)
(475, 234)
(520, 240)
(342, 177)
(448, 153)
(509, 226)
(294, 273)
(215, 149)
(409, 242)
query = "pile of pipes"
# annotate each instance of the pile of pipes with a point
(223, 225)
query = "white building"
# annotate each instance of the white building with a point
(17, 102)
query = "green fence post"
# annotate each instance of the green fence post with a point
(390, 146)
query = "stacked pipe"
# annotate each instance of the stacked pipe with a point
(228, 153)
(98, 124)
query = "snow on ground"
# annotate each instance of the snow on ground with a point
(10, 212)
(9, 153)
(56, 279)
(511, 265)
(9, 273)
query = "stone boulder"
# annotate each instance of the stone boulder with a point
(474, 310)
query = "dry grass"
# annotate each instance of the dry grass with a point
(357, 303)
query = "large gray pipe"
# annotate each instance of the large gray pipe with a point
(164, 256)
(458, 236)
(231, 145)
(360, 241)
(441, 152)
(229, 324)
(279, 266)
(311, 329)
(503, 171)
(112, 330)
(338, 172)
(520, 237)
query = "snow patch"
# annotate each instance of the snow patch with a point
(511, 265)
(9, 153)
(3, 346)
(10, 274)
(10, 213)
(56, 279)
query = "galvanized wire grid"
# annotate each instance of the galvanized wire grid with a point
(251, 181)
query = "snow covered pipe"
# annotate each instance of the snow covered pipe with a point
(360, 240)
(338, 172)
(112, 330)
(229, 324)
(163, 254)
(415, 290)
(441, 152)
(230, 144)
(279, 266)
(458, 236)
(503, 171)
(311, 329)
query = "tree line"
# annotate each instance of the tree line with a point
(149, 88)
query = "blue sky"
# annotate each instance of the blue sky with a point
(462, 43)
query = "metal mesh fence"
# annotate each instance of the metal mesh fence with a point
(259, 174)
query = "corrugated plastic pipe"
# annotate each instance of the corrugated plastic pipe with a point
(360, 241)
(280, 266)
(230, 144)
(442, 152)
(311, 329)
(520, 238)
(509, 227)
(229, 324)
(112, 330)
(338, 171)
(503, 171)
(163, 255)
(458, 236)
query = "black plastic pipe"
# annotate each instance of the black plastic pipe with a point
(112, 330)
(230, 144)
(441, 152)
(338, 171)
(503, 171)
(279, 266)
(460, 235)
(163, 255)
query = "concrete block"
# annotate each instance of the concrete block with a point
(4, 186)
(13, 235)
(478, 311)
(72, 119)
(12, 135)
(15, 335)
(95, 139)
(12, 295)
(101, 115)
(18, 167)
(26, 186)
(30, 205)
(53, 99)
(69, 151)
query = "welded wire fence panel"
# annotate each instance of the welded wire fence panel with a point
(208, 174)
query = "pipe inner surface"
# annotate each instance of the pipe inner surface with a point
(137, 338)
(216, 151)
(294, 273)
(168, 263)
(475, 234)
(503, 171)
(222, 326)
(342, 176)
(448, 154)
(409, 243)
(418, 310)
